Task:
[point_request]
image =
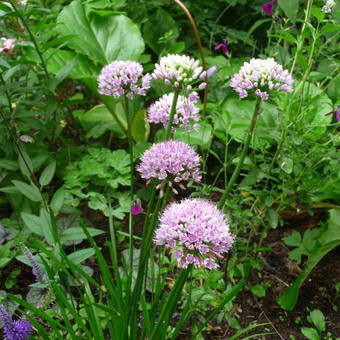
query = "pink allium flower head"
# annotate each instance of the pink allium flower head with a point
(261, 76)
(186, 111)
(7, 45)
(123, 78)
(177, 70)
(170, 161)
(195, 231)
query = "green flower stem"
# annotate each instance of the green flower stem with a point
(172, 114)
(159, 331)
(236, 172)
(24, 22)
(132, 182)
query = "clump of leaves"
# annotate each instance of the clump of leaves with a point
(98, 178)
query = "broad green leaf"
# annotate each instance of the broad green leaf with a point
(30, 191)
(97, 121)
(310, 333)
(290, 8)
(102, 39)
(34, 223)
(140, 127)
(293, 240)
(25, 163)
(318, 319)
(48, 173)
(202, 137)
(258, 290)
(81, 255)
(58, 200)
(234, 117)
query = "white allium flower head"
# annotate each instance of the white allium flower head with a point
(177, 70)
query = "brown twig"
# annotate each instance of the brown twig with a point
(200, 49)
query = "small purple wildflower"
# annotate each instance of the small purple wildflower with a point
(136, 209)
(223, 47)
(336, 112)
(177, 70)
(262, 76)
(186, 111)
(268, 7)
(123, 78)
(171, 161)
(14, 330)
(195, 231)
(7, 45)
(36, 269)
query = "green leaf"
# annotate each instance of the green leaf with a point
(48, 173)
(258, 290)
(9, 164)
(102, 39)
(140, 127)
(81, 255)
(286, 164)
(30, 191)
(77, 233)
(25, 164)
(293, 240)
(318, 319)
(290, 8)
(310, 333)
(97, 121)
(34, 223)
(202, 137)
(273, 217)
(58, 200)
(234, 117)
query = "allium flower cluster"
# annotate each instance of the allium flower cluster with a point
(186, 111)
(177, 70)
(195, 231)
(7, 45)
(261, 76)
(327, 8)
(14, 330)
(123, 78)
(171, 161)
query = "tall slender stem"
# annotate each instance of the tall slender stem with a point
(24, 22)
(132, 181)
(236, 172)
(172, 114)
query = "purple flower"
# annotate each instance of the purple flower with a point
(36, 269)
(136, 209)
(261, 76)
(336, 112)
(195, 231)
(223, 47)
(14, 330)
(268, 7)
(170, 161)
(186, 111)
(123, 78)
(177, 70)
